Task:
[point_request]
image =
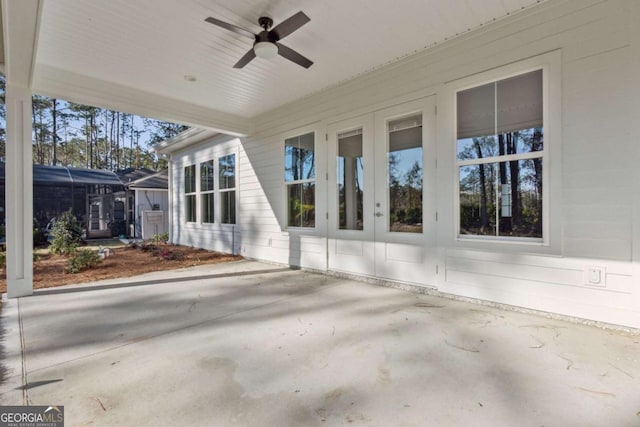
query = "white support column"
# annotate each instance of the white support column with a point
(19, 192)
(635, 131)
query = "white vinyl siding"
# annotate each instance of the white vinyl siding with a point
(208, 231)
(588, 52)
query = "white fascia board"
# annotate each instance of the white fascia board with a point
(182, 140)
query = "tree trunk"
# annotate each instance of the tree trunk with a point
(131, 145)
(54, 131)
(87, 137)
(118, 141)
(111, 138)
(484, 217)
(514, 172)
(537, 166)
(91, 126)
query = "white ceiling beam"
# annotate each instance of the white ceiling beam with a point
(20, 25)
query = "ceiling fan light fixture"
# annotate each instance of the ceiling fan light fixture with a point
(266, 44)
(265, 50)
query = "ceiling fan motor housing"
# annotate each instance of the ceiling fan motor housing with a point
(265, 36)
(265, 22)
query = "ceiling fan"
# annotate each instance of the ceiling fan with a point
(266, 43)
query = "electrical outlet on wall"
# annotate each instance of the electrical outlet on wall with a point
(595, 276)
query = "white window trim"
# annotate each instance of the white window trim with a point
(425, 152)
(550, 243)
(209, 150)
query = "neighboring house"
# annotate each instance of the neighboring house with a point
(132, 174)
(150, 205)
(496, 170)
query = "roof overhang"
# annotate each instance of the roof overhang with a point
(157, 181)
(149, 189)
(183, 140)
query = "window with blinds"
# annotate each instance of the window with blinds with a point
(500, 149)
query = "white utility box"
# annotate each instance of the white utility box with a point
(153, 222)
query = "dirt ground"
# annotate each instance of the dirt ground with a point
(50, 270)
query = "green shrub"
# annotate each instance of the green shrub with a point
(2, 231)
(66, 234)
(160, 238)
(83, 260)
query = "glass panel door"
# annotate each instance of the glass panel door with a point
(351, 187)
(382, 194)
(404, 168)
(405, 192)
(350, 168)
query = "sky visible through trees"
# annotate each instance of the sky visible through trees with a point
(75, 135)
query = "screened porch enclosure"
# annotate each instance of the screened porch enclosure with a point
(94, 196)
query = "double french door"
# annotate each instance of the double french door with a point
(381, 187)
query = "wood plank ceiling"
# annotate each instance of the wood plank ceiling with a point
(137, 48)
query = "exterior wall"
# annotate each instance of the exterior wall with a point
(596, 203)
(263, 203)
(216, 236)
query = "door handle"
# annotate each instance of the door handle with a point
(379, 214)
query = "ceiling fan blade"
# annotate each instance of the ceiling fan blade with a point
(293, 56)
(231, 27)
(289, 25)
(245, 59)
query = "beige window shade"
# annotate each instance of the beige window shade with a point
(405, 133)
(504, 106)
(520, 102)
(350, 144)
(477, 111)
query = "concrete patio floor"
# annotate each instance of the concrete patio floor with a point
(252, 344)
